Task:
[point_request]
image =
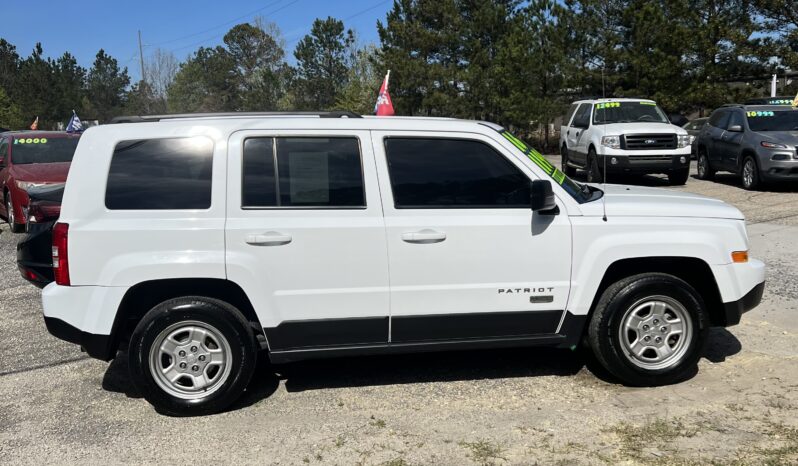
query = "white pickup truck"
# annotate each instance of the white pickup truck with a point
(628, 136)
(203, 242)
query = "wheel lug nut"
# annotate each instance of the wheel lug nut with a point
(182, 365)
(202, 357)
(195, 368)
(182, 354)
(658, 339)
(193, 349)
(664, 329)
(647, 338)
(645, 327)
(656, 321)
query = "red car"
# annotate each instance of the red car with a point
(28, 159)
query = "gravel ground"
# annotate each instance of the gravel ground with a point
(492, 407)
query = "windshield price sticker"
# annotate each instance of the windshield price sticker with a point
(780, 102)
(537, 158)
(760, 114)
(30, 141)
(608, 105)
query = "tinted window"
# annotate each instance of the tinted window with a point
(3, 151)
(736, 118)
(719, 119)
(43, 149)
(310, 172)
(628, 112)
(786, 120)
(582, 118)
(571, 111)
(161, 174)
(453, 173)
(258, 182)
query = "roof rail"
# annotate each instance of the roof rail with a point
(177, 116)
(732, 105)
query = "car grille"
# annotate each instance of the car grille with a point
(633, 159)
(649, 141)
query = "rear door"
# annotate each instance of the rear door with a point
(468, 258)
(305, 237)
(731, 143)
(715, 130)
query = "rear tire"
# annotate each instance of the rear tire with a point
(569, 171)
(749, 174)
(192, 356)
(705, 171)
(679, 177)
(649, 329)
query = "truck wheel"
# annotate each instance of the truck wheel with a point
(679, 177)
(705, 171)
(192, 355)
(649, 329)
(569, 171)
(593, 169)
(750, 174)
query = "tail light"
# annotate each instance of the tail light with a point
(60, 254)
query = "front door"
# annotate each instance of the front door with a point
(305, 237)
(731, 143)
(468, 258)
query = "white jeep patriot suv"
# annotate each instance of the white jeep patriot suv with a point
(203, 242)
(631, 136)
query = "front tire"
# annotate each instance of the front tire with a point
(593, 169)
(749, 175)
(10, 217)
(192, 356)
(649, 329)
(679, 177)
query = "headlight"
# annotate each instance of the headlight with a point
(773, 145)
(26, 185)
(684, 140)
(613, 142)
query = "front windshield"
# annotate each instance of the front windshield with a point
(581, 192)
(628, 112)
(785, 120)
(43, 150)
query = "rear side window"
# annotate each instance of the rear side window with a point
(719, 119)
(155, 174)
(302, 172)
(453, 173)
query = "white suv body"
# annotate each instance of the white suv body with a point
(631, 136)
(334, 236)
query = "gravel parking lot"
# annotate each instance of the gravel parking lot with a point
(492, 407)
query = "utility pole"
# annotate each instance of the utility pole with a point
(141, 58)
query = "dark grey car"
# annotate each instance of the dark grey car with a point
(693, 128)
(757, 142)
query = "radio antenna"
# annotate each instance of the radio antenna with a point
(604, 171)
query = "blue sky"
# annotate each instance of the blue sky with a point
(84, 27)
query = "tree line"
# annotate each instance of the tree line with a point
(518, 63)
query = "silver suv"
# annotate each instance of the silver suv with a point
(758, 142)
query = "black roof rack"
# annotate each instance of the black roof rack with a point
(154, 118)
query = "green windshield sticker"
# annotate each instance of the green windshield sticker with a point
(759, 114)
(780, 102)
(30, 141)
(608, 105)
(537, 158)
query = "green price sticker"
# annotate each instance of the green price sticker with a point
(30, 141)
(608, 105)
(537, 158)
(759, 114)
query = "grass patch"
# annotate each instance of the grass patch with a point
(655, 434)
(484, 452)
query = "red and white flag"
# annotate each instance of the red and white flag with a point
(384, 106)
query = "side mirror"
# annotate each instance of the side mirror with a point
(735, 129)
(542, 197)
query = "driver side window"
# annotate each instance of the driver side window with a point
(736, 118)
(582, 118)
(3, 152)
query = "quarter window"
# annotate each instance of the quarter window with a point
(453, 173)
(302, 172)
(154, 174)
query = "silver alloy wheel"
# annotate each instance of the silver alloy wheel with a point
(190, 359)
(748, 172)
(655, 332)
(702, 165)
